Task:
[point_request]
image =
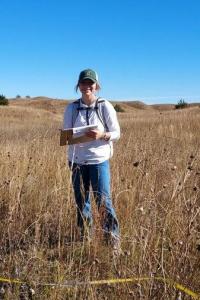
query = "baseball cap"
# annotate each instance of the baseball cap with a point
(88, 74)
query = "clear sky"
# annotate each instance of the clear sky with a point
(146, 50)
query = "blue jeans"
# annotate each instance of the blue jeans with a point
(98, 176)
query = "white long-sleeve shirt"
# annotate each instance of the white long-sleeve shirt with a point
(96, 151)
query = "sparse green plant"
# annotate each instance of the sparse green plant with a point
(3, 100)
(181, 104)
(118, 108)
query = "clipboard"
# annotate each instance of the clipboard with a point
(65, 136)
(75, 135)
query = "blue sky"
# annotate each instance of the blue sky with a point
(146, 50)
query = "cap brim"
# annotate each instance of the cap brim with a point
(92, 79)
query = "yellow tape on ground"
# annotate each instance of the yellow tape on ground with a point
(71, 284)
(10, 280)
(165, 280)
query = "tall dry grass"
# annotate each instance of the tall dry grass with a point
(155, 189)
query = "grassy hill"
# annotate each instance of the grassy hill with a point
(155, 184)
(49, 104)
(58, 105)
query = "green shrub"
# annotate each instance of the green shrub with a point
(181, 104)
(118, 108)
(3, 100)
(18, 96)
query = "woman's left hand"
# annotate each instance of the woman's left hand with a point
(94, 134)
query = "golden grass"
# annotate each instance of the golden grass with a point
(156, 192)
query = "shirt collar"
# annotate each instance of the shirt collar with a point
(82, 104)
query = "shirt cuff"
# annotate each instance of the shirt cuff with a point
(114, 136)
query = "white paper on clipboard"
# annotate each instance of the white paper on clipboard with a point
(79, 131)
(75, 135)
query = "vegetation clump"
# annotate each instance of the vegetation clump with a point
(3, 100)
(181, 104)
(118, 108)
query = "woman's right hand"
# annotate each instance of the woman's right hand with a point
(95, 134)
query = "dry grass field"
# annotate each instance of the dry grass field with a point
(155, 190)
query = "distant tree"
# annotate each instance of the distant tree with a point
(18, 96)
(181, 104)
(118, 108)
(3, 100)
(28, 97)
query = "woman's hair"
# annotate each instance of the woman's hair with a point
(97, 86)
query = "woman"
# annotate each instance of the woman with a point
(89, 161)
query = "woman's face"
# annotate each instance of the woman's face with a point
(87, 87)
